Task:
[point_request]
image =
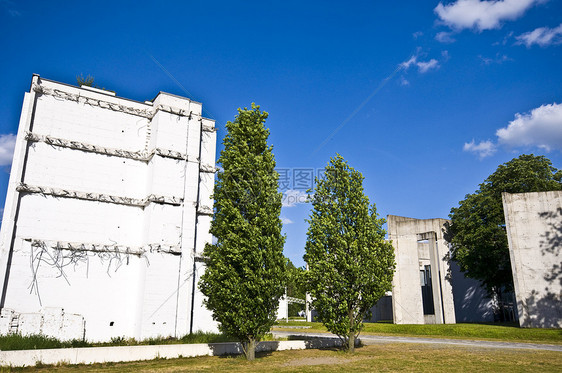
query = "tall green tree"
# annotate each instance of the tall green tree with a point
(245, 275)
(477, 230)
(351, 265)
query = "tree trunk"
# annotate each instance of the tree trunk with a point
(250, 350)
(351, 341)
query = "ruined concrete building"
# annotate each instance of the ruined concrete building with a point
(108, 209)
(420, 259)
(430, 289)
(534, 232)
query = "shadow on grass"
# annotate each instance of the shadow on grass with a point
(510, 324)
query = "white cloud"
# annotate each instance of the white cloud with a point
(293, 196)
(542, 127)
(286, 221)
(423, 66)
(417, 34)
(426, 66)
(542, 36)
(483, 149)
(7, 144)
(499, 59)
(404, 81)
(444, 37)
(481, 15)
(406, 64)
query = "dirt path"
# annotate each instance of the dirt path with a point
(375, 339)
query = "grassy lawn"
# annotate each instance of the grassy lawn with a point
(387, 357)
(32, 342)
(497, 332)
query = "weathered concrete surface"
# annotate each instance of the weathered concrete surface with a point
(91, 355)
(419, 242)
(108, 208)
(534, 231)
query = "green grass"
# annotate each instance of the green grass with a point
(500, 332)
(32, 342)
(375, 358)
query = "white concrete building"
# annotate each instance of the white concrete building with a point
(421, 293)
(534, 233)
(107, 211)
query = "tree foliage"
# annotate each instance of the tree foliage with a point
(295, 287)
(477, 229)
(350, 264)
(245, 271)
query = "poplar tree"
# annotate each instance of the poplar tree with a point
(350, 263)
(245, 272)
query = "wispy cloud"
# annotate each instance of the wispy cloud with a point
(286, 221)
(483, 149)
(9, 6)
(406, 64)
(404, 81)
(444, 37)
(293, 197)
(429, 65)
(539, 128)
(7, 145)
(417, 34)
(499, 59)
(481, 15)
(358, 108)
(542, 36)
(423, 66)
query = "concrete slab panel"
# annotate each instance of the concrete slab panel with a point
(411, 238)
(534, 232)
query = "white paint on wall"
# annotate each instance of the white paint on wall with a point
(116, 289)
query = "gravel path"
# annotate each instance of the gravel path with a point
(374, 339)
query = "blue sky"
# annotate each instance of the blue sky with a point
(425, 98)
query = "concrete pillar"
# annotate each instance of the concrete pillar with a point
(534, 232)
(406, 234)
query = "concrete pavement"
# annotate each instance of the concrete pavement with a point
(368, 339)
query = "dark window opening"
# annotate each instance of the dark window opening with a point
(427, 291)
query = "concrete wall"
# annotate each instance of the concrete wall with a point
(534, 231)
(108, 207)
(419, 242)
(91, 355)
(283, 309)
